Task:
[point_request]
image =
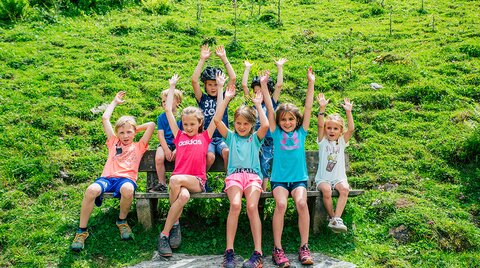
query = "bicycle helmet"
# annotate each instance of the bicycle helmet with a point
(210, 73)
(256, 82)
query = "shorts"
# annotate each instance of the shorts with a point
(266, 157)
(170, 146)
(290, 186)
(202, 184)
(112, 185)
(332, 182)
(217, 145)
(243, 180)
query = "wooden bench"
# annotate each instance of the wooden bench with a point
(147, 203)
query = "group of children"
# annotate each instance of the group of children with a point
(267, 143)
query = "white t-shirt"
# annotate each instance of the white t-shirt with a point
(331, 161)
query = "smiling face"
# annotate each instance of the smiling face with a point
(288, 122)
(242, 126)
(333, 130)
(126, 133)
(211, 87)
(191, 125)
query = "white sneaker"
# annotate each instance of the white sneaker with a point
(337, 225)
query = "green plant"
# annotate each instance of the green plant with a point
(158, 7)
(13, 9)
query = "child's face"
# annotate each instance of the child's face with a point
(256, 89)
(211, 87)
(333, 130)
(175, 104)
(288, 122)
(126, 133)
(190, 125)
(242, 126)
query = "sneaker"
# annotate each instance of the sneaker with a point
(164, 246)
(125, 231)
(304, 255)
(279, 258)
(79, 241)
(175, 236)
(337, 225)
(159, 188)
(255, 261)
(229, 259)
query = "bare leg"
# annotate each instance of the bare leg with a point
(252, 195)
(235, 197)
(126, 199)
(343, 189)
(210, 159)
(225, 153)
(160, 165)
(299, 195)
(88, 203)
(326, 190)
(281, 195)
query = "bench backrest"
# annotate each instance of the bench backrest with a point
(148, 165)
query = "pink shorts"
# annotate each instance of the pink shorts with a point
(243, 180)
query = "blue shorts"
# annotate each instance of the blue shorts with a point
(266, 157)
(217, 145)
(112, 185)
(290, 186)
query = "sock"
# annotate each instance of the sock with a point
(164, 234)
(120, 221)
(177, 222)
(81, 230)
(257, 252)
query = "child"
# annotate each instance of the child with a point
(243, 173)
(266, 151)
(166, 149)
(331, 173)
(119, 173)
(289, 172)
(189, 174)
(207, 102)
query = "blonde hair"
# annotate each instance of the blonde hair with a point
(248, 113)
(337, 119)
(197, 112)
(285, 108)
(177, 95)
(126, 119)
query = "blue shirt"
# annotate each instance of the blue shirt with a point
(257, 124)
(208, 104)
(162, 124)
(289, 162)
(243, 152)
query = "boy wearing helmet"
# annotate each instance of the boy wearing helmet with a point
(208, 102)
(266, 151)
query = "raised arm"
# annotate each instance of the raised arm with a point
(107, 125)
(204, 55)
(220, 78)
(246, 89)
(268, 100)
(264, 125)
(348, 106)
(169, 105)
(321, 116)
(307, 112)
(222, 54)
(279, 85)
(149, 128)
(222, 106)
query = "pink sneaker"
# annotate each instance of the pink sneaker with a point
(304, 255)
(279, 258)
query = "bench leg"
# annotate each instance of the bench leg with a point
(261, 209)
(311, 209)
(146, 212)
(319, 216)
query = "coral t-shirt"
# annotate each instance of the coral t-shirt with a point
(191, 158)
(123, 160)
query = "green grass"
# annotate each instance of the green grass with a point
(58, 62)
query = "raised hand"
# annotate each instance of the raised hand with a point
(247, 64)
(173, 81)
(119, 97)
(230, 93)
(220, 52)
(205, 52)
(321, 100)
(258, 98)
(347, 105)
(264, 77)
(280, 62)
(220, 78)
(310, 75)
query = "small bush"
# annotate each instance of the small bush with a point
(13, 9)
(158, 7)
(470, 151)
(471, 50)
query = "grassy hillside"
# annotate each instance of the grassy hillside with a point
(416, 148)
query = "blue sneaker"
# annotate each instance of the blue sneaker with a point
(255, 261)
(229, 259)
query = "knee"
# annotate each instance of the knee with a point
(225, 153)
(183, 197)
(210, 157)
(235, 208)
(159, 159)
(326, 190)
(174, 182)
(127, 191)
(281, 206)
(342, 190)
(92, 191)
(252, 209)
(302, 206)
